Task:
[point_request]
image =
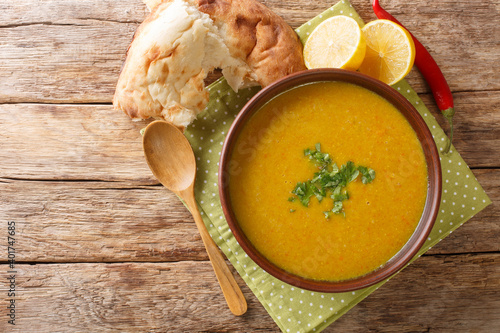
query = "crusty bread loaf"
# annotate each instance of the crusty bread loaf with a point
(182, 40)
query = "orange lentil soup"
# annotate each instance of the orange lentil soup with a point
(352, 124)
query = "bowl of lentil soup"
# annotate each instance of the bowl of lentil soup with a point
(330, 180)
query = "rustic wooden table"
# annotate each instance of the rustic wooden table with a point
(101, 246)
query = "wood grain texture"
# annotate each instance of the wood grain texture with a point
(184, 297)
(477, 117)
(171, 159)
(90, 142)
(71, 51)
(482, 232)
(94, 142)
(64, 51)
(117, 222)
(423, 298)
(103, 247)
(98, 222)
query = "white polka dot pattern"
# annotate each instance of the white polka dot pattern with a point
(294, 309)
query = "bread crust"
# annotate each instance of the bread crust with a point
(155, 82)
(255, 33)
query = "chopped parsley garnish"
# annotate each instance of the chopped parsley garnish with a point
(330, 181)
(368, 174)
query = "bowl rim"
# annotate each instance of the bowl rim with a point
(434, 178)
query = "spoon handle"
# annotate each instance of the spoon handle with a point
(232, 292)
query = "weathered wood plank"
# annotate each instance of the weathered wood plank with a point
(58, 51)
(98, 222)
(114, 222)
(481, 233)
(61, 63)
(69, 51)
(477, 126)
(442, 293)
(435, 294)
(93, 142)
(143, 297)
(71, 142)
(70, 11)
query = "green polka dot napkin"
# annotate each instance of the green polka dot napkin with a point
(294, 309)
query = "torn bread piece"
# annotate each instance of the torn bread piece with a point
(181, 41)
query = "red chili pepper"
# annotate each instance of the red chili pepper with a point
(431, 72)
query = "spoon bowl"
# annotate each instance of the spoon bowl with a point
(171, 159)
(169, 155)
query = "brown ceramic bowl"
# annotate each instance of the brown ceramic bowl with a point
(431, 155)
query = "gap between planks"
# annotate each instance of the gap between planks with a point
(76, 103)
(33, 263)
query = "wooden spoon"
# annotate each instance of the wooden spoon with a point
(171, 159)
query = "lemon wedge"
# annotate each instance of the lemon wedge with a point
(335, 43)
(390, 51)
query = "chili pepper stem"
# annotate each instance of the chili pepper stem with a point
(448, 115)
(431, 72)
